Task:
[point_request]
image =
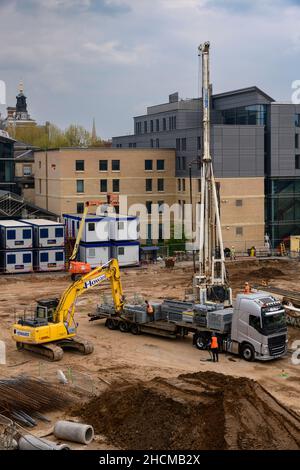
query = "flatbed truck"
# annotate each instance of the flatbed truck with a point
(254, 328)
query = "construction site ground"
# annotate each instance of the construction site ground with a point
(133, 361)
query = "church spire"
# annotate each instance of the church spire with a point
(94, 132)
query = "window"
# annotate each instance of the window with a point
(59, 256)
(160, 231)
(115, 165)
(183, 143)
(91, 227)
(116, 186)
(254, 322)
(11, 235)
(132, 144)
(183, 184)
(157, 143)
(138, 127)
(148, 165)
(27, 170)
(160, 165)
(59, 232)
(296, 141)
(103, 186)
(44, 257)
(27, 234)
(80, 207)
(160, 184)
(157, 125)
(149, 207)
(164, 124)
(199, 143)
(148, 184)
(119, 146)
(151, 143)
(121, 225)
(239, 231)
(11, 259)
(239, 202)
(44, 233)
(179, 184)
(80, 186)
(151, 126)
(103, 166)
(178, 165)
(199, 185)
(79, 165)
(149, 232)
(297, 162)
(160, 207)
(297, 120)
(121, 251)
(145, 127)
(170, 123)
(183, 166)
(27, 258)
(92, 253)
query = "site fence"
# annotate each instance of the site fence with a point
(74, 378)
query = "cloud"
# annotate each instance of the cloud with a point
(107, 7)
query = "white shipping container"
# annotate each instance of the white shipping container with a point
(123, 228)
(95, 254)
(46, 233)
(16, 261)
(127, 254)
(49, 260)
(15, 234)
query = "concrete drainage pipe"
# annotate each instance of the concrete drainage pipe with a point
(29, 442)
(75, 432)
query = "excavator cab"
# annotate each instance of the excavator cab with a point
(45, 309)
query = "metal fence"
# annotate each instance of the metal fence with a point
(74, 378)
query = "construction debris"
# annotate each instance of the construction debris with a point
(205, 410)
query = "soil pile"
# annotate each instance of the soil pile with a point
(198, 411)
(266, 273)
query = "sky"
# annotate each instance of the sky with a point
(110, 59)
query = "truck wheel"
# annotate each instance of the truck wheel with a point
(111, 324)
(135, 329)
(247, 352)
(123, 326)
(200, 342)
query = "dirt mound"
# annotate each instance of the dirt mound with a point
(266, 273)
(198, 411)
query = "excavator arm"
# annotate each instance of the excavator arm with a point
(110, 271)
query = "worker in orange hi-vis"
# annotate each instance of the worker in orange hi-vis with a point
(247, 288)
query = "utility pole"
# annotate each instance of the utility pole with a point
(212, 273)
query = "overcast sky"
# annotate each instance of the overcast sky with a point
(109, 59)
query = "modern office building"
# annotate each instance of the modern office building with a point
(255, 149)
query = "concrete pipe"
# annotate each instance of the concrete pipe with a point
(29, 442)
(75, 432)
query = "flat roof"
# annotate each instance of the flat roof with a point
(13, 223)
(41, 222)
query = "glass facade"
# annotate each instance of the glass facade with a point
(283, 209)
(246, 115)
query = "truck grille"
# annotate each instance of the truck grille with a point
(277, 345)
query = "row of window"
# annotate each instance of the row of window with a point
(116, 185)
(44, 257)
(156, 125)
(160, 165)
(160, 206)
(103, 165)
(11, 234)
(11, 259)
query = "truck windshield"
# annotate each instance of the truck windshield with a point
(273, 323)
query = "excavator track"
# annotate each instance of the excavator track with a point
(79, 344)
(51, 351)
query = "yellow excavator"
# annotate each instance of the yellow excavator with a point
(53, 328)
